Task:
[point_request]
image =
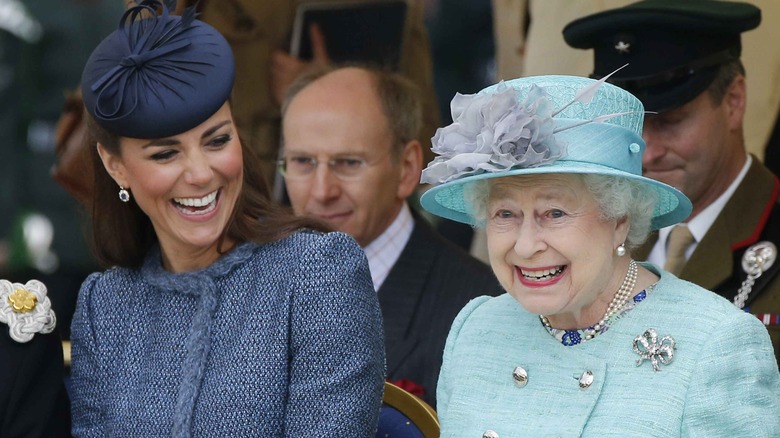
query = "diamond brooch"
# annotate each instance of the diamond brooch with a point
(648, 346)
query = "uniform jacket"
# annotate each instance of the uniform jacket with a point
(255, 29)
(277, 340)
(33, 402)
(751, 215)
(723, 380)
(431, 281)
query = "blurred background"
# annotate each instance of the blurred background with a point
(43, 47)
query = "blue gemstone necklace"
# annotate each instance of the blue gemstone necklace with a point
(574, 337)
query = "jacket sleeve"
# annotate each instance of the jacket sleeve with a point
(735, 390)
(337, 361)
(86, 373)
(445, 385)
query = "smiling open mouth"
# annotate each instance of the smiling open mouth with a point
(197, 206)
(543, 274)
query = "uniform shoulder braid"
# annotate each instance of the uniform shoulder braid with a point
(758, 264)
(26, 309)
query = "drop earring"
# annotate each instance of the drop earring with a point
(620, 251)
(124, 195)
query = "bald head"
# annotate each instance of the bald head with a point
(397, 96)
(348, 163)
(347, 92)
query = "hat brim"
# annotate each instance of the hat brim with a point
(448, 201)
(671, 95)
(695, 16)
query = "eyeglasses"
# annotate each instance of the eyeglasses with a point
(300, 167)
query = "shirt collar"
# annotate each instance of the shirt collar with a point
(700, 224)
(384, 251)
(704, 220)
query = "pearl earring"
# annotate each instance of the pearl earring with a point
(620, 251)
(124, 195)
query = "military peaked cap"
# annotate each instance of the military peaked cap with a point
(672, 48)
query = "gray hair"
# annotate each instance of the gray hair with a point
(617, 198)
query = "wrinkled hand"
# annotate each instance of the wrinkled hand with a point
(286, 68)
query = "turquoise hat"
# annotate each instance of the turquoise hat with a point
(542, 125)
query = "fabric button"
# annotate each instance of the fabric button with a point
(490, 434)
(586, 380)
(520, 375)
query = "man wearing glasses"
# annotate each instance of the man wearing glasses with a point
(351, 158)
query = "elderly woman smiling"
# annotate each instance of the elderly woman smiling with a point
(586, 342)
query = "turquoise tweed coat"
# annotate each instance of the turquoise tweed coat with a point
(276, 340)
(722, 382)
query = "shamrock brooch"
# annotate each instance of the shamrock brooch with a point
(648, 346)
(26, 309)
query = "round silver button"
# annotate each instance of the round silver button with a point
(520, 375)
(490, 434)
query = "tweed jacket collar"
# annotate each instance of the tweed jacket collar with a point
(190, 282)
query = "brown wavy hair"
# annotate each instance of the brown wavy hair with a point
(122, 234)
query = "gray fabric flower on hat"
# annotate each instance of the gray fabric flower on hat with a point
(493, 132)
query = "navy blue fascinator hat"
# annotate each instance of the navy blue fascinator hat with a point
(159, 74)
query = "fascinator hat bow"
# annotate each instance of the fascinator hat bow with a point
(541, 125)
(158, 74)
(149, 40)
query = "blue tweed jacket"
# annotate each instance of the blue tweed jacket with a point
(722, 382)
(283, 339)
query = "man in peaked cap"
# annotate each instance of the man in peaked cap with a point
(682, 60)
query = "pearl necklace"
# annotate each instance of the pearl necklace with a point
(618, 301)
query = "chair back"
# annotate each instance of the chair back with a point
(404, 415)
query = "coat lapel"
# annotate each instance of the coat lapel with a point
(738, 225)
(400, 295)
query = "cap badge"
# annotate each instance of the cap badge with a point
(623, 47)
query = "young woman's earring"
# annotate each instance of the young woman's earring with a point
(124, 195)
(620, 251)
